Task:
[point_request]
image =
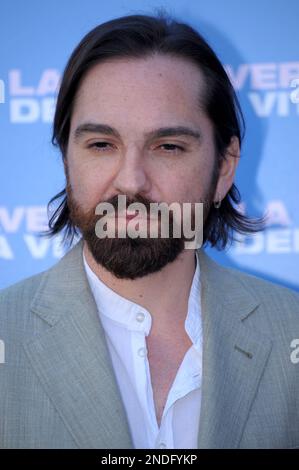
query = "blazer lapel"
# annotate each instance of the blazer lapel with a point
(234, 356)
(72, 360)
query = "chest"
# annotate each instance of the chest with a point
(165, 358)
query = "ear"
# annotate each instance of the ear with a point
(228, 169)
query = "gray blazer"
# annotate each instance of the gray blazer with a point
(57, 385)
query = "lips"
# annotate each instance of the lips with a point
(129, 216)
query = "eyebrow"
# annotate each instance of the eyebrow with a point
(95, 128)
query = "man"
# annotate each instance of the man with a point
(142, 342)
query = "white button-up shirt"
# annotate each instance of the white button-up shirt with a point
(126, 325)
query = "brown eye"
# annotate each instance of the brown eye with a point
(100, 146)
(171, 148)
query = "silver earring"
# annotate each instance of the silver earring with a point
(217, 204)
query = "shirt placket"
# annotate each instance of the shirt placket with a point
(142, 372)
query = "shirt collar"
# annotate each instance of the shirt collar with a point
(133, 316)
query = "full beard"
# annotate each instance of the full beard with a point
(130, 258)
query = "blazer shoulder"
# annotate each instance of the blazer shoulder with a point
(15, 306)
(262, 288)
(234, 279)
(41, 292)
(278, 304)
(22, 290)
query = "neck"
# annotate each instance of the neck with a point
(164, 294)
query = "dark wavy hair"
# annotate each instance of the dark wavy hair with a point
(139, 36)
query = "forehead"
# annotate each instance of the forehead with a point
(128, 90)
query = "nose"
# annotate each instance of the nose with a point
(131, 177)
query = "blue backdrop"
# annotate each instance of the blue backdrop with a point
(257, 40)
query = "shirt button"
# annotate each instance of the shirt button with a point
(140, 317)
(141, 352)
(162, 445)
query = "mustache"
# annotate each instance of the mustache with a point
(142, 200)
(130, 200)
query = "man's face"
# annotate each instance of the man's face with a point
(135, 98)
